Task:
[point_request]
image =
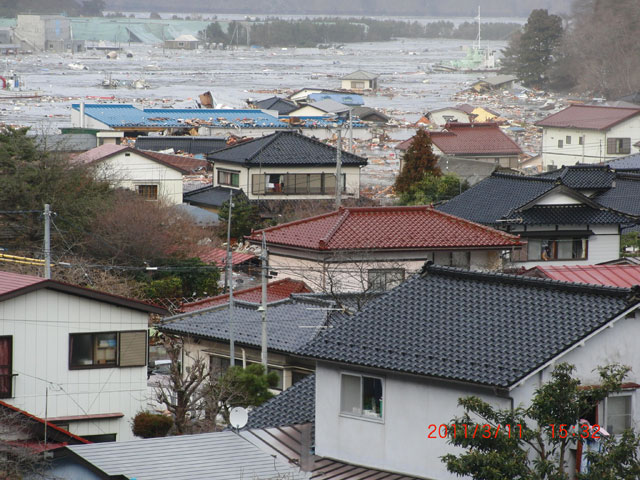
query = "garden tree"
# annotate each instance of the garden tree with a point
(600, 49)
(433, 188)
(30, 177)
(151, 425)
(537, 442)
(188, 277)
(196, 396)
(244, 217)
(182, 393)
(236, 387)
(131, 231)
(630, 244)
(417, 160)
(530, 55)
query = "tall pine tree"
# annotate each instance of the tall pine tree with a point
(530, 55)
(418, 160)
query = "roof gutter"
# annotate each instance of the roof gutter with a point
(579, 343)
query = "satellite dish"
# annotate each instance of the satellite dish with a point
(238, 417)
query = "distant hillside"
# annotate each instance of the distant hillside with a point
(490, 8)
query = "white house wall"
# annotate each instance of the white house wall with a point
(399, 442)
(40, 323)
(128, 169)
(594, 149)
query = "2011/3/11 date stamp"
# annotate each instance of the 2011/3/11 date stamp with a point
(561, 431)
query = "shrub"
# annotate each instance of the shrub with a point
(151, 425)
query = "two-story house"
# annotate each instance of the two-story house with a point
(589, 134)
(73, 356)
(570, 216)
(399, 366)
(153, 175)
(286, 166)
(376, 248)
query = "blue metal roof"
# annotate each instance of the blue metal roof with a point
(344, 98)
(322, 122)
(129, 116)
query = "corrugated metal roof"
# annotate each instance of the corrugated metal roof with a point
(219, 256)
(208, 456)
(612, 275)
(117, 115)
(343, 98)
(10, 282)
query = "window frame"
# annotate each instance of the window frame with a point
(386, 272)
(117, 348)
(555, 241)
(605, 416)
(152, 186)
(560, 143)
(619, 146)
(567, 140)
(289, 184)
(362, 416)
(9, 366)
(231, 174)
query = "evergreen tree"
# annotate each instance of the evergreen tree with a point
(434, 188)
(534, 443)
(244, 217)
(530, 55)
(417, 161)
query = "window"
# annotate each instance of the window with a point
(359, 85)
(6, 367)
(108, 349)
(228, 178)
(361, 395)
(618, 414)
(560, 143)
(295, 184)
(557, 249)
(618, 145)
(149, 192)
(568, 140)
(581, 140)
(297, 375)
(218, 365)
(381, 279)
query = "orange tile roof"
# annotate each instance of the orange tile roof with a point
(613, 275)
(219, 256)
(417, 227)
(278, 290)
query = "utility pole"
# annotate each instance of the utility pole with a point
(350, 132)
(47, 241)
(265, 266)
(232, 348)
(339, 168)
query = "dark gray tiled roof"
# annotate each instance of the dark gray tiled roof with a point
(283, 106)
(592, 177)
(284, 148)
(475, 327)
(630, 162)
(495, 197)
(294, 406)
(290, 324)
(625, 197)
(569, 215)
(187, 144)
(211, 196)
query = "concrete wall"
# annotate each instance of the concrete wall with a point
(352, 179)
(40, 323)
(45, 32)
(594, 149)
(128, 170)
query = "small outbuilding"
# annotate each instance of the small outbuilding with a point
(183, 42)
(360, 80)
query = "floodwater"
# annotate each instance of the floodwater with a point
(233, 76)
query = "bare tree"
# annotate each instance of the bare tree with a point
(182, 394)
(18, 461)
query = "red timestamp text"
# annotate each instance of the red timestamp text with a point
(574, 431)
(473, 431)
